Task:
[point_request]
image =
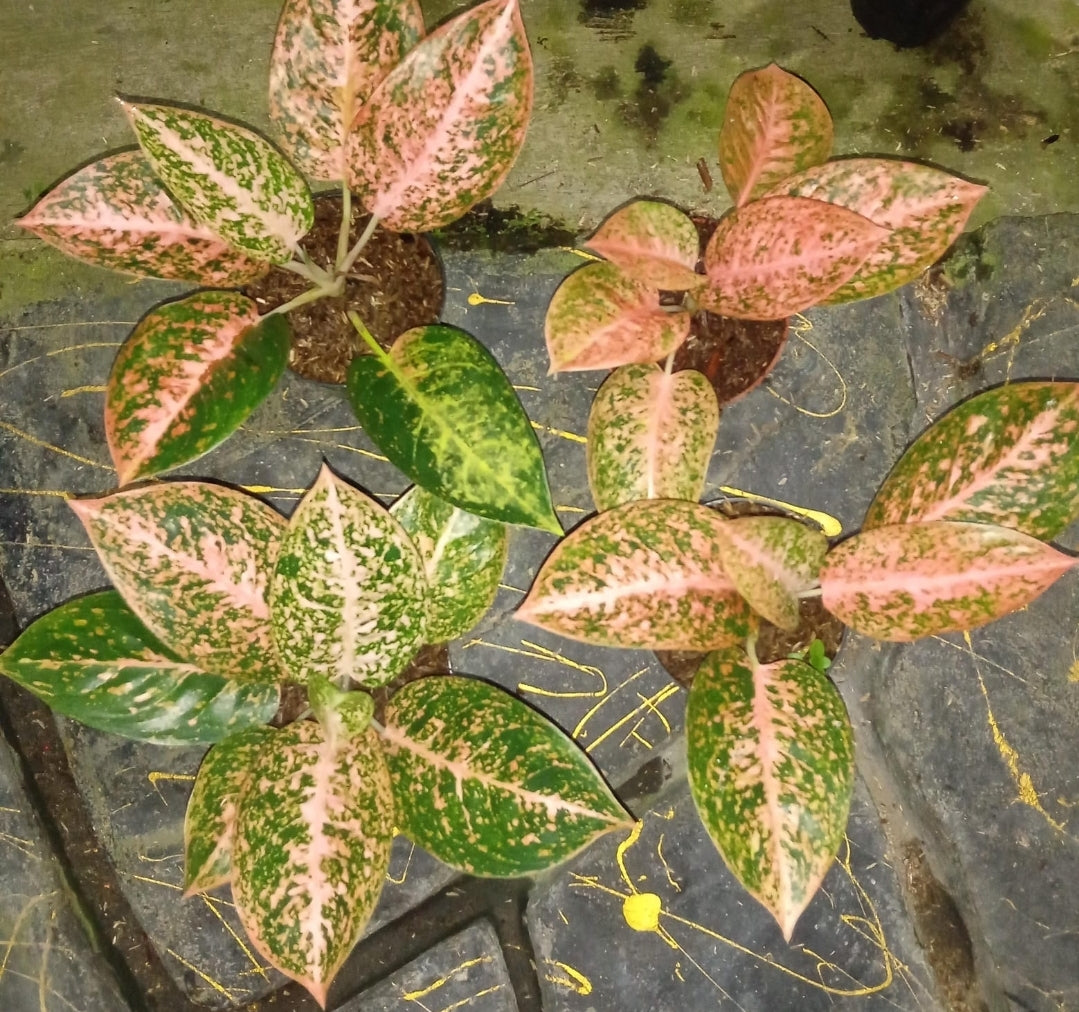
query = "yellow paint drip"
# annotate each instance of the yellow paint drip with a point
(570, 978)
(642, 910)
(827, 523)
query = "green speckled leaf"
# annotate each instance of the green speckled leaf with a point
(189, 375)
(443, 128)
(313, 833)
(328, 56)
(924, 207)
(771, 770)
(227, 177)
(92, 660)
(463, 556)
(442, 410)
(346, 598)
(906, 581)
(193, 560)
(1009, 456)
(654, 243)
(648, 574)
(771, 560)
(487, 784)
(116, 214)
(210, 822)
(774, 124)
(650, 435)
(601, 318)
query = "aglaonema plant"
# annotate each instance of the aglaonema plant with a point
(417, 128)
(218, 601)
(957, 537)
(804, 231)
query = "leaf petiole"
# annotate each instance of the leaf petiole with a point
(344, 266)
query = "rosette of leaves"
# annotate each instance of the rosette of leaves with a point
(956, 537)
(418, 127)
(217, 602)
(803, 231)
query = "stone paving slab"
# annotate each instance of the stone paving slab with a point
(855, 384)
(711, 945)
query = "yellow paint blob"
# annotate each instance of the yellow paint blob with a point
(642, 910)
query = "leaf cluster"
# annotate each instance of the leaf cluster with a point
(804, 230)
(219, 602)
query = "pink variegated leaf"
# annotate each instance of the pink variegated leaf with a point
(443, 128)
(488, 784)
(189, 375)
(312, 844)
(328, 56)
(648, 574)
(347, 596)
(775, 125)
(228, 177)
(654, 243)
(115, 213)
(193, 561)
(1008, 456)
(210, 822)
(906, 581)
(924, 207)
(771, 770)
(780, 255)
(600, 318)
(650, 435)
(771, 560)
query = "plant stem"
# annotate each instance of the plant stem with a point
(368, 337)
(345, 265)
(346, 224)
(668, 366)
(311, 295)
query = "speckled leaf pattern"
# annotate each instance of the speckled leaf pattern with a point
(771, 560)
(771, 770)
(115, 213)
(193, 560)
(443, 128)
(210, 821)
(313, 835)
(1009, 456)
(650, 435)
(906, 581)
(489, 785)
(780, 255)
(463, 557)
(328, 55)
(775, 124)
(600, 318)
(92, 660)
(924, 207)
(654, 243)
(227, 177)
(348, 590)
(189, 375)
(648, 574)
(442, 410)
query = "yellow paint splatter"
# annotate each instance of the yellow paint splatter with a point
(799, 331)
(642, 910)
(475, 299)
(570, 978)
(573, 437)
(444, 980)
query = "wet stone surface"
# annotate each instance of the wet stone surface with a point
(981, 744)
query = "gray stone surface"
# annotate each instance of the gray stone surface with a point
(713, 946)
(464, 972)
(47, 959)
(854, 386)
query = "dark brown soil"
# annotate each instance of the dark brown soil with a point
(735, 355)
(773, 643)
(395, 285)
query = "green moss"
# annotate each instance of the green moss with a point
(970, 260)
